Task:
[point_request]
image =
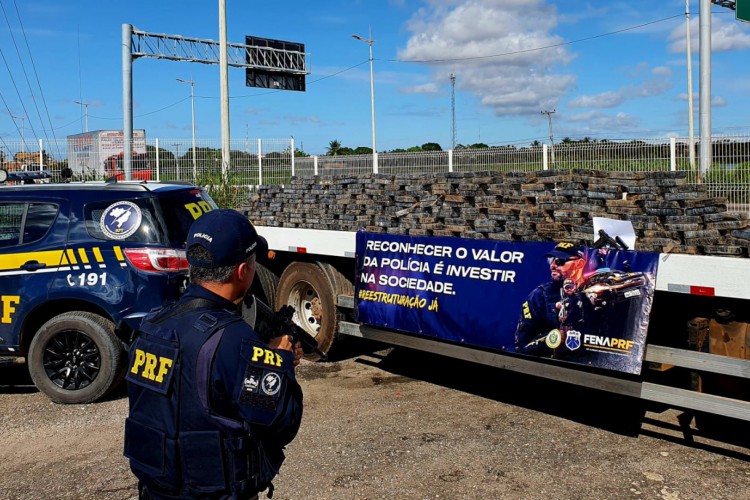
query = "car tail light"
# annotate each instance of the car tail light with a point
(157, 259)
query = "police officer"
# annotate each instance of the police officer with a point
(211, 406)
(539, 322)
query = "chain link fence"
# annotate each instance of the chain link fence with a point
(272, 161)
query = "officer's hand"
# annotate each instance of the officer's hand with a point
(281, 342)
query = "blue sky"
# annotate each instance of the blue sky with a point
(630, 84)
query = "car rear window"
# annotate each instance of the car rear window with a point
(180, 208)
(128, 220)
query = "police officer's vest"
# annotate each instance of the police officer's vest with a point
(175, 444)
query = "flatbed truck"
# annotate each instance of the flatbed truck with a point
(700, 304)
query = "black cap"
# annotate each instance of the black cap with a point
(566, 250)
(228, 236)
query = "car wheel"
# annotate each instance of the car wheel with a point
(76, 357)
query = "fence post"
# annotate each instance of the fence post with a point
(157, 159)
(545, 164)
(41, 156)
(260, 166)
(374, 163)
(315, 165)
(672, 154)
(291, 147)
(450, 160)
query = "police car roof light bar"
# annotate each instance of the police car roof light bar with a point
(6, 176)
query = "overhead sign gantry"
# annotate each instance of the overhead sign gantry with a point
(272, 64)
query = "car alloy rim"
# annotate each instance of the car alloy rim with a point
(72, 360)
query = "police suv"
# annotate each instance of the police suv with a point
(77, 259)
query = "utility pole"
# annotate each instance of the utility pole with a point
(224, 93)
(551, 139)
(86, 107)
(192, 111)
(23, 135)
(691, 138)
(453, 111)
(704, 106)
(369, 41)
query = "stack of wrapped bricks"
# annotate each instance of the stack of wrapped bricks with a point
(668, 213)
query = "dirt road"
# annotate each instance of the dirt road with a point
(402, 424)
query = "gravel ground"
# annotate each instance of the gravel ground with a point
(395, 423)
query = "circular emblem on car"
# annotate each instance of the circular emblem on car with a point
(271, 383)
(554, 339)
(120, 220)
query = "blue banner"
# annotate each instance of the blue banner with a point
(560, 301)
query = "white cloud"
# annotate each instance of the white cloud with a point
(297, 120)
(716, 101)
(427, 88)
(648, 88)
(491, 46)
(608, 99)
(726, 35)
(593, 122)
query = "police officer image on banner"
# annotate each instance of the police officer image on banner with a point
(211, 406)
(538, 330)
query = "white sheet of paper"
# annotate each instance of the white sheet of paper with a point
(613, 227)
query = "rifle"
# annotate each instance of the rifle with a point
(269, 324)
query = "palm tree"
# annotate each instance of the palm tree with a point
(334, 148)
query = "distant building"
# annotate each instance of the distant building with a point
(88, 152)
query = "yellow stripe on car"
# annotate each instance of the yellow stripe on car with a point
(83, 256)
(118, 253)
(16, 260)
(98, 255)
(71, 256)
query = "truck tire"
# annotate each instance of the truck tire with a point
(307, 288)
(76, 357)
(269, 283)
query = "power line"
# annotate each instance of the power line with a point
(561, 44)
(10, 113)
(422, 61)
(23, 69)
(146, 114)
(36, 74)
(18, 93)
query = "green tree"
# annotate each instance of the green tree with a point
(363, 150)
(431, 146)
(334, 148)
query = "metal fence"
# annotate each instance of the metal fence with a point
(272, 161)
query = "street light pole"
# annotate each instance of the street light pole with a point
(192, 110)
(86, 107)
(372, 102)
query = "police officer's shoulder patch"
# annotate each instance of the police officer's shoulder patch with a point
(260, 356)
(151, 364)
(261, 388)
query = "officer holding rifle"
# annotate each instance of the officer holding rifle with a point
(211, 405)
